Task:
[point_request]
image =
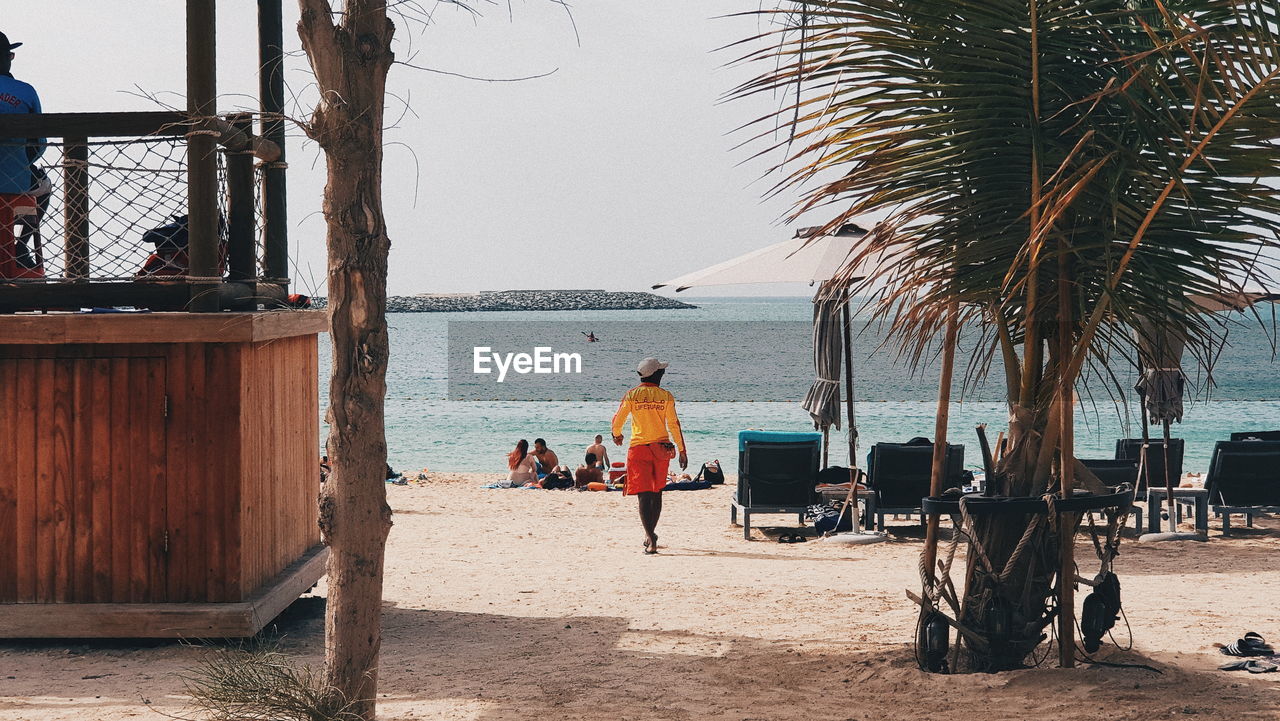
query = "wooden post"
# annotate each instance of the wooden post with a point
(1066, 535)
(75, 214)
(241, 251)
(1144, 471)
(1168, 482)
(275, 261)
(1066, 457)
(940, 433)
(202, 159)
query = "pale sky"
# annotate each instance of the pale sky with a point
(617, 171)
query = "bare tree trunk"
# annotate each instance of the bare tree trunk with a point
(350, 60)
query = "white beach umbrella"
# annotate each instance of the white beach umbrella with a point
(1241, 300)
(808, 258)
(1161, 383)
(802, 259)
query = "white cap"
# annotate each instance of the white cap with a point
(649, 366)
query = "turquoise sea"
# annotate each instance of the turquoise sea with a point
(427, 430)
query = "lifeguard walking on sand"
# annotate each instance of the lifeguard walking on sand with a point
(653, 426)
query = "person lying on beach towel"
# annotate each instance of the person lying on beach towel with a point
(687, 485)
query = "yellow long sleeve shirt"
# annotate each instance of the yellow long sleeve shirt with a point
(653, 413)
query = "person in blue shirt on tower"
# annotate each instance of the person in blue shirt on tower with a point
(18, 177)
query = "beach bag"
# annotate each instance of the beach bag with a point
(826, 518)
(711, 473)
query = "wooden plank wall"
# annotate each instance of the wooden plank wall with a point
(280, 464)
(203, 458)
(105, 498)
(81, 474)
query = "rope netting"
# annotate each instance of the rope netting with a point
(136, 196)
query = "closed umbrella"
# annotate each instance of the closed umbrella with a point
(1161, 384)
(823, 399)
(1159, 387)
(808, 258)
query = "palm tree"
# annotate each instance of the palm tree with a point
(1054, 172)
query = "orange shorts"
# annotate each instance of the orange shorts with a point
(646, 470)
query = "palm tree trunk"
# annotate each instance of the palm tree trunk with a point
(940, 435)
(350, 61)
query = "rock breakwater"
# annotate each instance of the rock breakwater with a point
(525, 300)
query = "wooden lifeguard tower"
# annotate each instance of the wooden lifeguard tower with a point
(158, 470)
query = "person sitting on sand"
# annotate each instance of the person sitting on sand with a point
(522, 465)
(547, 459)
(599, 451)
(588, 473)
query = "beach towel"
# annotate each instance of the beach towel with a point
(687, 486)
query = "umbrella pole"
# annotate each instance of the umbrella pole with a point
(1144, 463)
(1168, 480)
(848, 404)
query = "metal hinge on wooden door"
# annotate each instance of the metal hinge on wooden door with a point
(164, 542)
(166, 406)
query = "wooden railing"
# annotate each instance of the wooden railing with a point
(203, 288)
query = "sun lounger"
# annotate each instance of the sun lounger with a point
(1130, 448)
(1244, 479)
(899, 474)
(1113, 472)
(776, 474)
(1256, 436)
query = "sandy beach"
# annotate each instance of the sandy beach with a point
(524, 604)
